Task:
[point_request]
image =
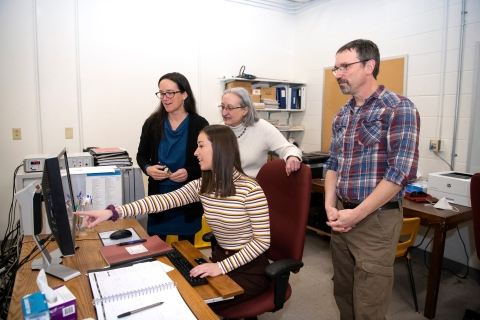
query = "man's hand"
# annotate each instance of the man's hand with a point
(346, 220)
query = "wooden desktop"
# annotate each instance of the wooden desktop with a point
(440, 221)
(88, 257)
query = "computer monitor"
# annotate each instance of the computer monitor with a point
(58, 199)
(59, 205)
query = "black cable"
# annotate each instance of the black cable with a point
(449, 165)
(422, 239)
(464, 249)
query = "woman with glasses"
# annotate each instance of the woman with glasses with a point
(235, 208)
(256, 137)
(165, 154)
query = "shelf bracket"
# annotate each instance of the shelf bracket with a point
(288, 118)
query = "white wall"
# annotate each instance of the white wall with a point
(94, 65)
(400, 27)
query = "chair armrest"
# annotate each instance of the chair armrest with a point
(209, 237)
(279, 271)
(279, 267)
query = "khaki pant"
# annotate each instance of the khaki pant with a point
(363, 265)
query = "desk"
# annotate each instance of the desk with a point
(88, 257)
(440, 221)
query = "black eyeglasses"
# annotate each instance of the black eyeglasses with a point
(169, 94)
(343, 67)
(229, 108)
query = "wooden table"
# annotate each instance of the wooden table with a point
(440, 221)
(88, 257)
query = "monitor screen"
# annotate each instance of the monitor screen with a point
(59, 203)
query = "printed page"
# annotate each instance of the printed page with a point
(130, 288)
(173, 306)
(121, 281)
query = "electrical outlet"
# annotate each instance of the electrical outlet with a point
(17, 133)
(68, 133)
(435, 145)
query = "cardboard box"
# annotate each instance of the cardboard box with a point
(255, 97)
(268, 93)
(65, 308)
(244, 84)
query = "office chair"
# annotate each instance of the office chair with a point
(475, 200)
(409, 228)
(289, 202)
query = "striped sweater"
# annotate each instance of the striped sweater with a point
(239, 222)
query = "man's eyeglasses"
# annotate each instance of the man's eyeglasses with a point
(228, 108)
(343, 67)
(169, 94)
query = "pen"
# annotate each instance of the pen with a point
(130, 242)
(138, 310)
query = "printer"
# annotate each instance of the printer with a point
(454, 186)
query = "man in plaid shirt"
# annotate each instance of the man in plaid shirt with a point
(373, 156)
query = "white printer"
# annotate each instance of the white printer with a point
(454, 186)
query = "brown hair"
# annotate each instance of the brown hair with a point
(225, 158)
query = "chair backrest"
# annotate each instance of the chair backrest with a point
(288, 202)
(409, 228)
(475, 200)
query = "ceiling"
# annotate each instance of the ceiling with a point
(288, 6)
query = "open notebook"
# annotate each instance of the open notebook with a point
(117, 291)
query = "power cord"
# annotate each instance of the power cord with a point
(464, 248)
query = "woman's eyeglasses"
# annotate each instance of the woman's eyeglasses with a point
(169, 94)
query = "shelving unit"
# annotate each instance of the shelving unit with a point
(270, 83)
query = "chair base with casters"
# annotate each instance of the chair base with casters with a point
(289, 203)
(409, 228)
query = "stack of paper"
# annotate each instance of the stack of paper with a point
(270, 103)
(111, 157)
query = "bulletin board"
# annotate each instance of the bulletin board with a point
(392, 76)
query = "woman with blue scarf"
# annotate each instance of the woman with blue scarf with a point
(165, 154)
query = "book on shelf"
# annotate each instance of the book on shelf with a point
(259, 105)
(152, 247)
(122, 290)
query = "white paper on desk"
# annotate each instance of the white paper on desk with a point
(127, 289)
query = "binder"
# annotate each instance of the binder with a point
(153, 247)
(282, 97)
(294, 98)
(302, 98)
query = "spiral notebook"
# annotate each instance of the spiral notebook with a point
(121, 290)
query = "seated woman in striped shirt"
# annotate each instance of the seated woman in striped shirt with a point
(235, 209)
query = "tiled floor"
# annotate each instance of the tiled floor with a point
(312, 296)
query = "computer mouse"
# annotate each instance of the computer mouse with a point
(120, 234)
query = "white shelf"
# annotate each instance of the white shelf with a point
(272, 82)
(280, 110)
(291, 130)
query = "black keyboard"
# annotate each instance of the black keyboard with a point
(184, 267)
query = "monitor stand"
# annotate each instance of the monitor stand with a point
(51, 263)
